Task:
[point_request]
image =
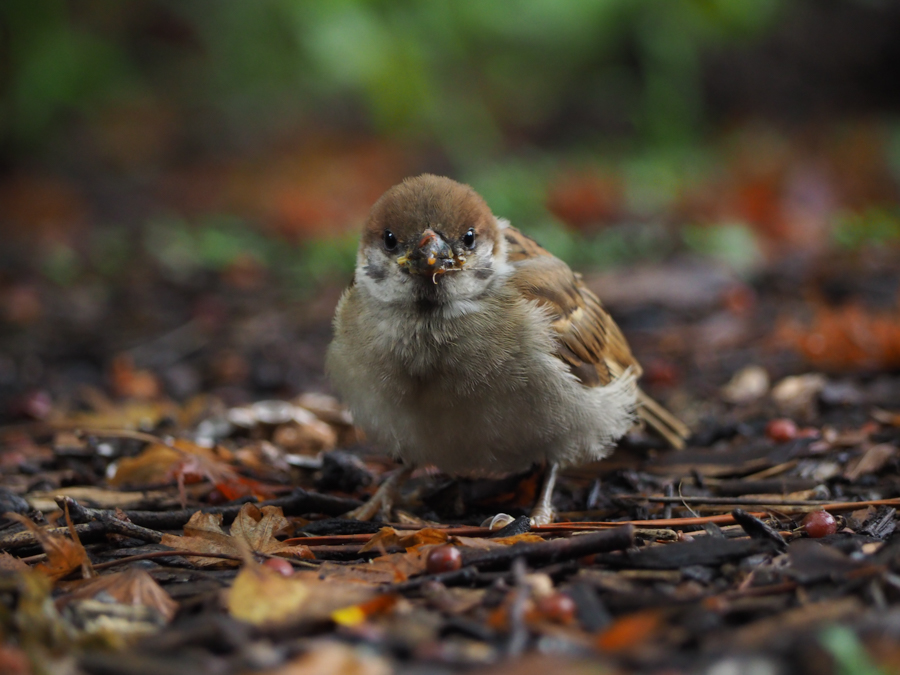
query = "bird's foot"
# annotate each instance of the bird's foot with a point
(382, 502)
(542, 514)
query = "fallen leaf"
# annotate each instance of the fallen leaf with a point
(133, 587)
(152, 465)
(356, 614)
(95, 497)
(747, 385)
(630, 631)
(797, 396)
(130, 382)
(131, 415)
(388, 537)
(872, 460)
(485, 544)
(64, 555)
(253, 530)
(887, 417)
(386, 569)
(262, 596)
(10, 563)
(159, 463)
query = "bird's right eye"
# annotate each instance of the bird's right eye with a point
(390, 241)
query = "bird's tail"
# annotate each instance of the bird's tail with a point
(662, 421)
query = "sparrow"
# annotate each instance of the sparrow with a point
(463, 344)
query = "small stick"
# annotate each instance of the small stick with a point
(555, 550)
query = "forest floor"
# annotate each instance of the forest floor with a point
(173, 503)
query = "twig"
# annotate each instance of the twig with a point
(555, 550)
(149, 555)
(722, 519)
(299, 502)
(727, 501)
(86, 532)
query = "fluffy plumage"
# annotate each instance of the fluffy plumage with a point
(464, 344)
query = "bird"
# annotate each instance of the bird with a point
(463, 344)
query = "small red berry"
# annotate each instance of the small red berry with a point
(443, 559)
(280, 565)
(216, 498)
(557, 607)
(781, 430)
(819, 524)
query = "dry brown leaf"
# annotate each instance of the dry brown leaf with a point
(95, 497)
(388, 537)
(484, 544)
(386, 569)
(872, 460)
(10, 563)
(150, 466)
(849, 337)
(630, 631)
(253, 530)
(64, 555)
(309, 438)
(133, 587)
(159, 463)
(131, 415)
(261, 596)
(887, 417)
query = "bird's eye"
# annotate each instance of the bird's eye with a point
(390, 241)
(469, 238)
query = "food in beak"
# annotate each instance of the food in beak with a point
(432, 256)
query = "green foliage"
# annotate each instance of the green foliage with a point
(58, 67)
(849, 654)
(732, 244)
(461, 73)
(875, 226)
(182, 249)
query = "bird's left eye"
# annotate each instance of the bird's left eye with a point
(469, 238)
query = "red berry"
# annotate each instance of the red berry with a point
(557, 607)
(216, 498)
(280, 565)
(819, 524)
(781, 430)
(443, 559)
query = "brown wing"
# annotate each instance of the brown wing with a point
(590, 342)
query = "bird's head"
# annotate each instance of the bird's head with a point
(430, 240)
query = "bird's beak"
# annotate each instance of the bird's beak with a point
(432, 256)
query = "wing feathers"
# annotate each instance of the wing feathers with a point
(589, 341)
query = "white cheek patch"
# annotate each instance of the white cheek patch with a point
(380, 276)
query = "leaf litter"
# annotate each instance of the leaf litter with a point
(659, 561)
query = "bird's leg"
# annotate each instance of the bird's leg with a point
(383, 499)
(542, 514)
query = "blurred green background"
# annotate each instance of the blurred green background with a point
(250, 136)
(182, 181)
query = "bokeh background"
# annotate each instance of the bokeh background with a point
(181, 183)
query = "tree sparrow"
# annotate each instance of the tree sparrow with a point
(463, 344)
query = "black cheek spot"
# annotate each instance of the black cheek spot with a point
(376, 272)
